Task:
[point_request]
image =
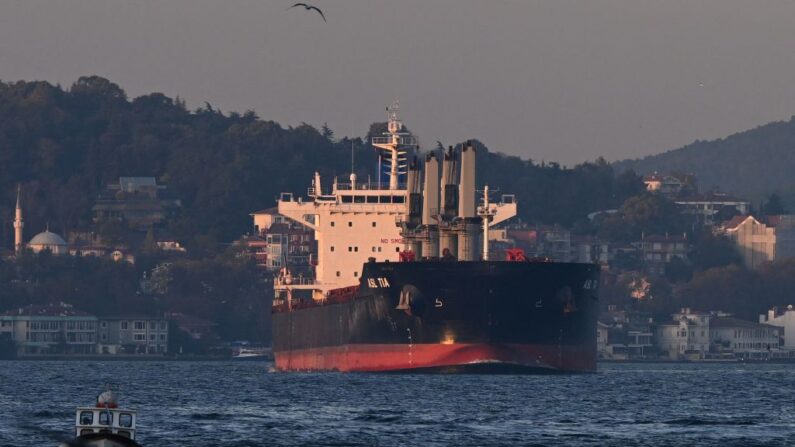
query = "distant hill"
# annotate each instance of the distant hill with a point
(749, 164)
(65, 145)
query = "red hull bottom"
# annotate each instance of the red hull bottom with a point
(476, 357)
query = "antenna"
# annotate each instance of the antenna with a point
(352, 164)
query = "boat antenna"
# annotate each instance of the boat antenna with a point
(352, 165)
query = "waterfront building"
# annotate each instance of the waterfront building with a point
(743, 339)
(685, 337)
(132, 334)
(784, 320)
(51, 329)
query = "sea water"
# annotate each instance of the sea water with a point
(244, 404)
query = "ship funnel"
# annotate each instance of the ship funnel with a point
(467, 223)
(430, 207)
(430, 189)
(466, 188)
(449, 184)
(448, 240)
(414, 192)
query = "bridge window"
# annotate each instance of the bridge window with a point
(124, 433)
(398, 199)
(356, 249)
(350, 249)
(332, 248)
(385, 199)
(355, 274)
(332, 223)
(358, 199)
(125, 420)
(372, 199)
(86, 418)
(347, 199)
(397, 249)
(105, 418)
(350, 224)
(373, 224)
(338, 273)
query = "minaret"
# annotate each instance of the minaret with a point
(18, 225)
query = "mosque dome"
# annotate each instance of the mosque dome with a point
(47, 240)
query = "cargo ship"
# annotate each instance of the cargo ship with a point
(403, 279)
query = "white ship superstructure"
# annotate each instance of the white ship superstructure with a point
(356, 221)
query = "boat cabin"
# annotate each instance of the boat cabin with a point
(116, 421)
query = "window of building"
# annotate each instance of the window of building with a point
(104, 337)
(139, 337)
(153, 325)
(124, 325)
(379, 249)
(356, 249)
(104, 324)
(162, 337)
(140, 325)
(163, 325)
(152, 337)
(373, 249)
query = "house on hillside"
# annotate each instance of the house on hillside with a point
(138, 201)
(761, 240)
(708, 208)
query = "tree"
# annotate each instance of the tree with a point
(327, 132)
(711, 251)
(773, 205)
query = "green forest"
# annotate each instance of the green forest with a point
(65, 145)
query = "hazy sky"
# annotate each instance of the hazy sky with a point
(554, 80)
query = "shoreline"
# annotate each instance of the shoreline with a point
(136, 358)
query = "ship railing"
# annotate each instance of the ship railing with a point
(403, 140)
(367, 186)
(295, 281)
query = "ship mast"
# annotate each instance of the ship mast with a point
(396, 143)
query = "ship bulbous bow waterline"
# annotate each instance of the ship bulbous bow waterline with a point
(437, 316)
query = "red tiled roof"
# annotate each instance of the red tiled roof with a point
(735, 221)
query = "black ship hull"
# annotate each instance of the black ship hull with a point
(447, 317)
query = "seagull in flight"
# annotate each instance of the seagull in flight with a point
(310, 7)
